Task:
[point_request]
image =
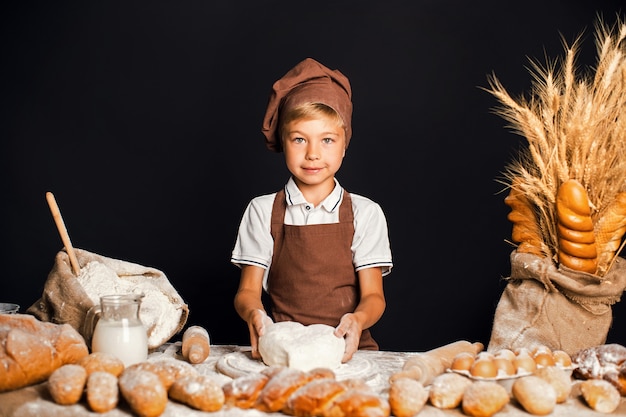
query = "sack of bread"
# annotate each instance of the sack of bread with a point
(31, 350)
(577, 303)
(567, 197)
(67, 298)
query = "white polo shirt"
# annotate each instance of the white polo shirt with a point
(370, 245)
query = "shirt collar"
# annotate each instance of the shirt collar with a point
(331, 203)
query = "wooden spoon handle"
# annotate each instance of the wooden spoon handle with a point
(65, 237)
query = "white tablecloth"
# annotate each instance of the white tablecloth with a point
(376, 367)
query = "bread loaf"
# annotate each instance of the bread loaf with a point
(577, 244)
(526, 229)
(316, 393)
(196, 345)
(609, 230)
(30, 350)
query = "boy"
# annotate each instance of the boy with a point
(319, 251)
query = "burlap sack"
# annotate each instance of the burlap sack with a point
(556, 307)
(67, 298)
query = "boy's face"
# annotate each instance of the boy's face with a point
(314, 150)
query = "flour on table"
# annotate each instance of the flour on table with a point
(158, 314)
(302, 347)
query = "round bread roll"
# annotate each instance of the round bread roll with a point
(102, 361)
(197, 391)
(535, 395)
(407, 397)
(143, 391)
(446, 390)
(484, 399)
(67, 383)
(559, 379)
(102, 391)
(600, 395)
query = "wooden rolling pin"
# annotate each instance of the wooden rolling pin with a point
(425, 366)
(196, 345)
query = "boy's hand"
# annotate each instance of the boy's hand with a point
(256, 324)
(350, 329)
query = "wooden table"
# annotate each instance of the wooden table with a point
(34, 401)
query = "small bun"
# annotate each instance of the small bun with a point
(600, 395)
(535, 395)
(102, 361)
(102, 391)
(407, 397)
(66, 384)
(484, 399)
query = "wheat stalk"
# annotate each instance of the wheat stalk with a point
(574, 124)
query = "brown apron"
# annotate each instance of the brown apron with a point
(312, 278)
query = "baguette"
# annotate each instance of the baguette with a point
(576, 249)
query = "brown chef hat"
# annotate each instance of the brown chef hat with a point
(309, 81)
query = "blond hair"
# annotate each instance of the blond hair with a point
(308, 111)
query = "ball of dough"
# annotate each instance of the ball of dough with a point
(294, 345)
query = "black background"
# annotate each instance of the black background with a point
(143, 118)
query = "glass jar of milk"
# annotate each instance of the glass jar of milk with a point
(119, 329)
